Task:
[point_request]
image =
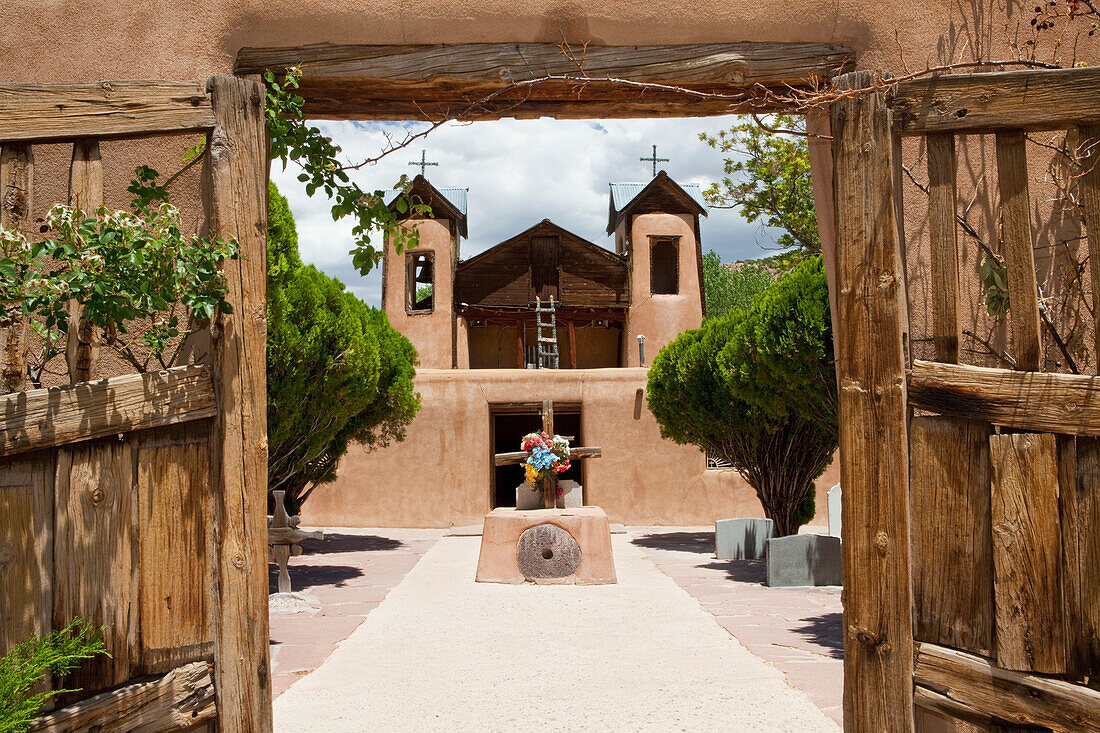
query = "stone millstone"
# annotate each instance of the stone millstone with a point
(547, 551)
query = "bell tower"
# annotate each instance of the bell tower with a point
(656, 225)
(418, 284)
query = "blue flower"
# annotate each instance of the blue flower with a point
(542, 459)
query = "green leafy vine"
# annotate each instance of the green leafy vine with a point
(292, 139)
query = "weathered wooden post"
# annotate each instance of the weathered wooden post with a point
(874, 452)
(237, 185)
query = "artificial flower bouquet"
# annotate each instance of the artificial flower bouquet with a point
(547, 457)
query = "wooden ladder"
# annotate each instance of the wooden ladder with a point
(547, 345)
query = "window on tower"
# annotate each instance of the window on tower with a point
(664, 265)
(419, 282)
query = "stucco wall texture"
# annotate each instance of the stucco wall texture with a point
(441, 478)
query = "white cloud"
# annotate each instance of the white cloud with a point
(518, 173)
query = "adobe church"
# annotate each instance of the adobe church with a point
(484, 372)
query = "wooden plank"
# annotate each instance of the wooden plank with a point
(943, 235)
(238, 187)
(1034, 99)
(17, 186)
(520, 357)
(1081, 556)
(1089, 185)
(936, 713)
(48, 417)
(93, 556)
(572, 344)
(1018, 251)
(16, 214)
(26, 548)
(505, 459)
(106, 109)
(173, 493)
(1009, 697)
(951, 542)
(179, 700)
(1027, 557)
(378, 81)
(1030, 401)
(86, 194)
(873, 439)
(898, 178)
(292, 535)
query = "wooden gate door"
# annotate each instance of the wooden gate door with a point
(138, 502)
(971, 515)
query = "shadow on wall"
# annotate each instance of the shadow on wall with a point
(826, 630)
(678, 541)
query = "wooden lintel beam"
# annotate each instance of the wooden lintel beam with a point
(41, 418)
(1031, 401)
(1035, 99)
(178, 700)
(380, 81)
(351, 105)
(961, 681)
(108, 109)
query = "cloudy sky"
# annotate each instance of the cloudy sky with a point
(518, 173)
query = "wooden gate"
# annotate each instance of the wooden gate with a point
(971, 513)
(139, 502)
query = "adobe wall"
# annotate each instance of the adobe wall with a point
(660, 318)
(440, 476)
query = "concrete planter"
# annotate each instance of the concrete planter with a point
(741, 539)
(804, 559)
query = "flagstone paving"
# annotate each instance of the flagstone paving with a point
(442, 652)
(343, 577)
(798, 630)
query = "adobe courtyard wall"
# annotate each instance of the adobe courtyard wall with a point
(440, 475)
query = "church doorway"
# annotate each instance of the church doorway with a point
(508, 424)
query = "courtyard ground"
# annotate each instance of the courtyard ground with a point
(683, 641)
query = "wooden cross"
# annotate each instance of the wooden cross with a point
(654, 159)
(423, 163)
(283, 537)
(549, 488)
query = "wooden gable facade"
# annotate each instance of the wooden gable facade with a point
(543, 261)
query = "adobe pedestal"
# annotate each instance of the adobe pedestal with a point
(546, 546)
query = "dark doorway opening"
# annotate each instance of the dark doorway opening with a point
(509, 425)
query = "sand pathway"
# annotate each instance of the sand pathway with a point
(444, 653)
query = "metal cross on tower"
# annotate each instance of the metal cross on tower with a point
(423, 163)
(654, 159)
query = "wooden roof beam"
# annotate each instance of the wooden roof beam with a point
(453, 81)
